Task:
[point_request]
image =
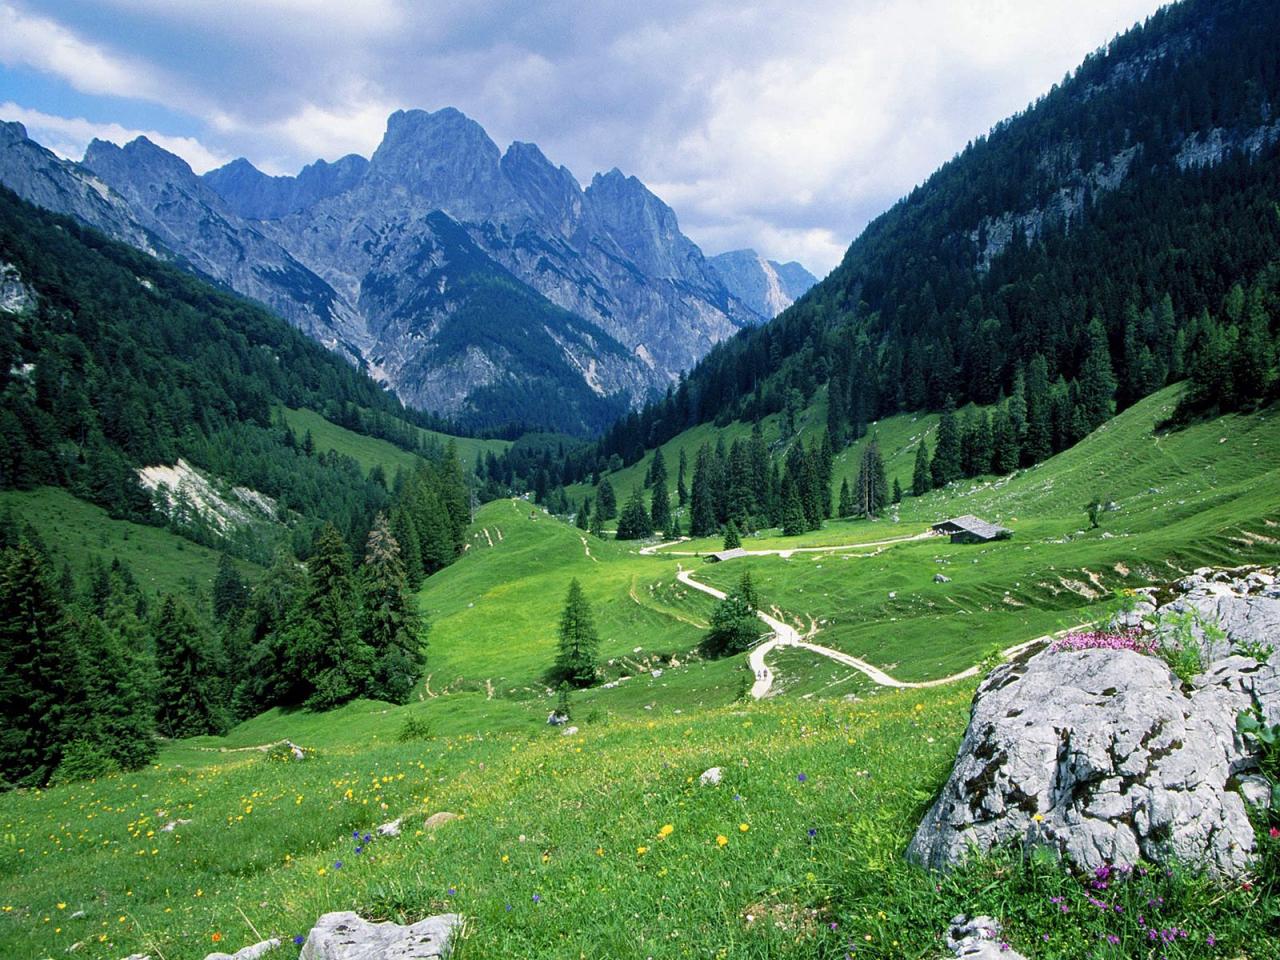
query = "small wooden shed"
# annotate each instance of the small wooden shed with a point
(970, 529)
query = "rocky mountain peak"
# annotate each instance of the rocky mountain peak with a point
(639, 222)
(140, 156)
(11, 131)
(551, 191)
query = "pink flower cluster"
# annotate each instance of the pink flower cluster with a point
(1106, 640)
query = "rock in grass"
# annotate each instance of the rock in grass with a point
(1102, 756)
(439, 819)
(978, 939)
(710, 778)
(390, 829)
(940, 578)
(345, 936)
(248, 953)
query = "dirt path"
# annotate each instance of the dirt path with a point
(784, 552)
(786, 636)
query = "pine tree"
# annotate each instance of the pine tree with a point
(682, 489)
(583, 520)
(702, 510)
(597, 525)
(872, 490)
(37, 669)
(847, 507)
(945, 465)
(115, 716)
(1039, 443)
(406, 533)
(732, 538)
(230, 593)
(734, 627)
(329, 652)
(660, 506)
(921, 481)
(606, 500)
(634, 522)
(793, 520)
(578, 641)
(747, 591)
(391, 625)
(187, 668)
(1097, 382)
(824, 468)
(897, 491)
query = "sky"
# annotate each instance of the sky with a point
(781, 126)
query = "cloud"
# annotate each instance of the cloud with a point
(69, 136)
(47, 46)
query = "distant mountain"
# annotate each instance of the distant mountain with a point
(483, 285)
(1118, 235)
(766, 286)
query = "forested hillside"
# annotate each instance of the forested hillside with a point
(1120, 234)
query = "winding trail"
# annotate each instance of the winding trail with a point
(784, 552)
(787, 636)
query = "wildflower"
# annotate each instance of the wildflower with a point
(537, 898)
(299, 939)
(505, 858)
(453, 891)
(1274, 833)
(216, 938)
(61, 905)
(1038, 817)
(744, 827)
(337, 864)
(321, 872)
(641, 851)
(801, 777)
(721, 840)
(666, 831)
(599, 853)
(813, 832)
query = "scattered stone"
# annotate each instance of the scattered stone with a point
(438, 819)
(345, 936)
(978, 939)
(1102, 756)
(390, 829)
(173, 824)
(248, 953)
(297, 751)
(556, 719)
(656, 673)
(78, 915)
(710, 777)
(939, 578)
(568, 731)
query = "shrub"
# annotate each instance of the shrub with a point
(415, 728)
(83, 760)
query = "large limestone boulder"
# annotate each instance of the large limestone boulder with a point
(1103, 756)
(345, 936)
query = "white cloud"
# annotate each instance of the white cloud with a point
(46, 45)
(69, 136)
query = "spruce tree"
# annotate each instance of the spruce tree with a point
(37, 669)
(945, 465)
(187, 669)
(606, 500)
(578, 642)
(230, 593)
(734, 627)
(1097, 382)
(702, 510)
(634, 522)
(597, 525)
(793, 520)
(1039, 442)
(660, 506)
(847, 507)
(583, 520)
(682, 487)
(872, 490)
(732, 538)
(328, 650)
(406, 533)
(116, 713)
(391, 625)
(921, 481)
(747, 590)
(897, 491)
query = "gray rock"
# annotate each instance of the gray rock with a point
(1102, 756)
(766, 286)
(710, 777)
(556, 719)
(568, 731)
(248, 953)
(345, 936)
(390, 829)
(939, 578)
(1245, 619)
(438, 819)
(978, 939)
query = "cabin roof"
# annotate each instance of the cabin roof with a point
(726, 554)
(971, 524)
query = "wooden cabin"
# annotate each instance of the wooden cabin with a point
(970, 529)
(721, 555)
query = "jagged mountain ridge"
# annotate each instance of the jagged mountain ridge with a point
(766, 286)
(592, 298)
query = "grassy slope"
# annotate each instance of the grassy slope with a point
(368, 451)
(79, 532)
(570, 814)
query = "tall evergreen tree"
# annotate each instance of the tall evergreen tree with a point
(1097, 382)
(732, 538)
(921, 480)
(606, 500)
(116, 713)
(391, 625)
(793, 519)
(847, 508)
(37, 669)
(1039, 442)
(230, 592)
(702, 510)
(660, 505)
(328, 650)
(734, 627)
(583, 520)
(578, 641)
(872, 490)
(682, 487)
(634, 523)
(187, 704)
(945, 465)
(406, 533)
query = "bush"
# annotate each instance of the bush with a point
(83, 760)
(415, 728)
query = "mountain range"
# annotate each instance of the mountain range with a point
(486, 286)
